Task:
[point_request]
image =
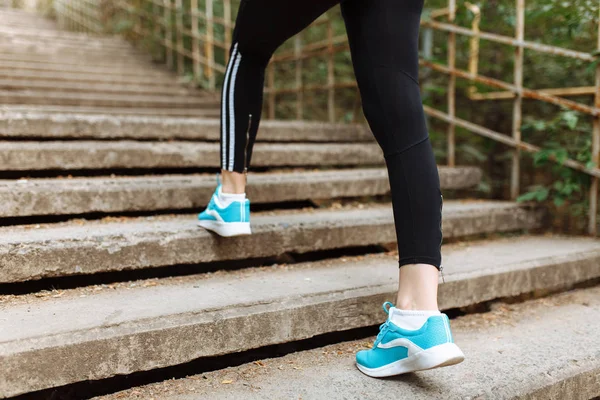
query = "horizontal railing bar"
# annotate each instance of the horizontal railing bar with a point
(570, 91)
(509, 40)
(532, 94)
(507, 140)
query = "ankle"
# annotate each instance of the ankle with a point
(412, 304)
(233, 182)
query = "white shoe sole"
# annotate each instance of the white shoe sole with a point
(442, 355)
(227, 229)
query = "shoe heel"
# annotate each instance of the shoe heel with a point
(227, 229)
(442, 355)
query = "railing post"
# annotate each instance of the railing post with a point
(179, 35)
(210, 53)
(330, 71)
(593, 230)
(227, 28)
(451, 85)
(299, 93)
(168, 33)
(138, 19)
(155, 19)
(518, 101)
(195, 39)
(474, 45)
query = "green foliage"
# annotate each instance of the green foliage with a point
(568, 185)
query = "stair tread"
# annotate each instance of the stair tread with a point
(59, 196)
(75, 122)
(114, 244)
(85, 154)
(97, 87)
(206, 100)
(199, 307)
(93, 113)
(519, 351)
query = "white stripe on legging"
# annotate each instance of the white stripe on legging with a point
(224, 109)
(232, 111)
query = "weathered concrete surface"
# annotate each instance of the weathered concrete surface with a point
(107, 112)
(88, 68)
(57, 196)
(59, 36)
(74, 155)
(105, 100)
(20, 75)
(51, 61)
(19, 38)
(31, 252)
(142, 328)
(40, 49)
(522, 351)
(17, 121)
(49, 46)
(90, 87)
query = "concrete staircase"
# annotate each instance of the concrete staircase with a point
(106, 283)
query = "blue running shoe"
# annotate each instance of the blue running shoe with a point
(398, 351)
(233, 220)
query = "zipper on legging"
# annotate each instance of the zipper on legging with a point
(247, 141)
(442, 232)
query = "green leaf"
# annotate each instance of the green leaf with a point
(570, 118)
(526, 197)
(542, 194)
(561, 156)
(559, 185)
(559, 201)
(539, 125)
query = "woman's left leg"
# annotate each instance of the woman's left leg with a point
(383, 38)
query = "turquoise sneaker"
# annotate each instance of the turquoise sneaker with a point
(233, 220)
(398, 351)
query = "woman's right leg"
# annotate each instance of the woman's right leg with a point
(261, 27)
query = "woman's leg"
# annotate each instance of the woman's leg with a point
(383, 38)
(384, 43)
(261, 27)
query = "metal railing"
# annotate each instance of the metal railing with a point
(197, 35)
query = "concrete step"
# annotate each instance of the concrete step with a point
(59, 36)
(515, 351)
(52, 64)
(88, 247)
(59, 77)
(99, 333)
(94, 88)
(86, 155)
(43, 122)
(26, 20)
(112, 114)
(34, 97)
(91, 54)
(42, 25)
(94, 46)
(170, 192)
(19, 54)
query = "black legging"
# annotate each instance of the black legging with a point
(383, 37)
